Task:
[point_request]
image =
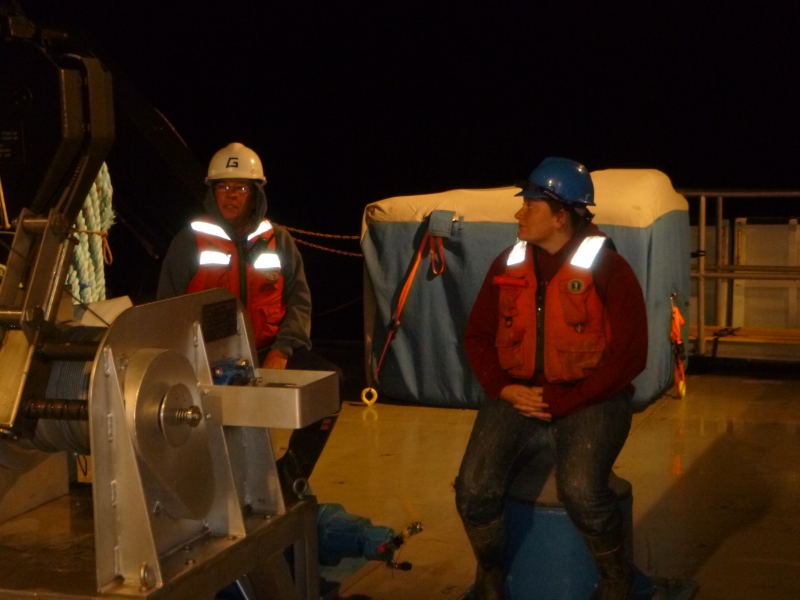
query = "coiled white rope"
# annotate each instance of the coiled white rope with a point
(86, 275)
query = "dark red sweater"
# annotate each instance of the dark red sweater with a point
(620, 292)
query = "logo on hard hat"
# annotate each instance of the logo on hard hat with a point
(233, 161)
(575, 286)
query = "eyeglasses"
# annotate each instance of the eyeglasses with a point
(238, 188)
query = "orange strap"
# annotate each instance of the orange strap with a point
(436, 248)
(678, 349)
(677, 323)
(436, 243)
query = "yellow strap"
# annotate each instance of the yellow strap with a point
(6, 224)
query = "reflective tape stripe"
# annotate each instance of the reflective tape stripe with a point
(267, 260)
(517, 254)
(263, 228)
(587, 251)
(210, 229)
(212, 257)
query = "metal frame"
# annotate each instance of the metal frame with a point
(42, 248)
(723, 273)
(143, 545)
(195, 572)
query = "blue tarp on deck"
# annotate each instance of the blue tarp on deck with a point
(425, 363)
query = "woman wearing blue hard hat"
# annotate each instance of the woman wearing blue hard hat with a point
(555, 337)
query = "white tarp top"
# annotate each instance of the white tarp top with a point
(627, 197)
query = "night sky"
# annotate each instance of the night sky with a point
(351, 102)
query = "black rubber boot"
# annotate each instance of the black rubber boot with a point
(307, 444)
(613, 564)
(305, 447)
(291, 474)
(488, 543)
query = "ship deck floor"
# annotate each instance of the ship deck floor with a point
(716, 484)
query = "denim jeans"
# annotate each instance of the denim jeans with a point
(585, 445)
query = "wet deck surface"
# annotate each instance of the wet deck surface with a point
(716, 480)
(716, 485)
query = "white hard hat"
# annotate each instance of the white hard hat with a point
(236, 161)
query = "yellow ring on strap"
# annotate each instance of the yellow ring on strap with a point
(369, 401)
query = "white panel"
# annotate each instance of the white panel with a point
(763, 303)
(766, 245)
(766, 307)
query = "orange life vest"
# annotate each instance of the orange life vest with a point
(218, 259)
(572, 318)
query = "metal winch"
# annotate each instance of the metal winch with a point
(183, 470)
(185, 496)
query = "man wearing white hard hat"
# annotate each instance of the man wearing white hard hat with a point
(235, 247)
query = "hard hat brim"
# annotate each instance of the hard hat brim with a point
(261, 180)
(531, 194)
(534, 195)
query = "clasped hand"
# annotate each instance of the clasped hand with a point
(527, 400)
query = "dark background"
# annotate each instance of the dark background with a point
(351, 102)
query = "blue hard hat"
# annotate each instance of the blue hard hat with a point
(560, 179)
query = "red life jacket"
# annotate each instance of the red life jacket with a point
(219, 267)
(573, 318)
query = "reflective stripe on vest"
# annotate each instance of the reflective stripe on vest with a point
(517, 253)
(267, 260)
(586, 253)
(264, 227)
(211, 257)
(210, 229)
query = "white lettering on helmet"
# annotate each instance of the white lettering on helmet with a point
(264, 227)
(587, 251)
(210, 229)
(267, 260)
(517, 254)
(212, 257)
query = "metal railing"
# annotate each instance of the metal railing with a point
(724, 273)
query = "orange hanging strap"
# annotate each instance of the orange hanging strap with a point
(678, 349)
(436, 246)
(437, 250)
(677, 323)
(395, 325)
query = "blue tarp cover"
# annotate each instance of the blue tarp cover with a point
(638, 209)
